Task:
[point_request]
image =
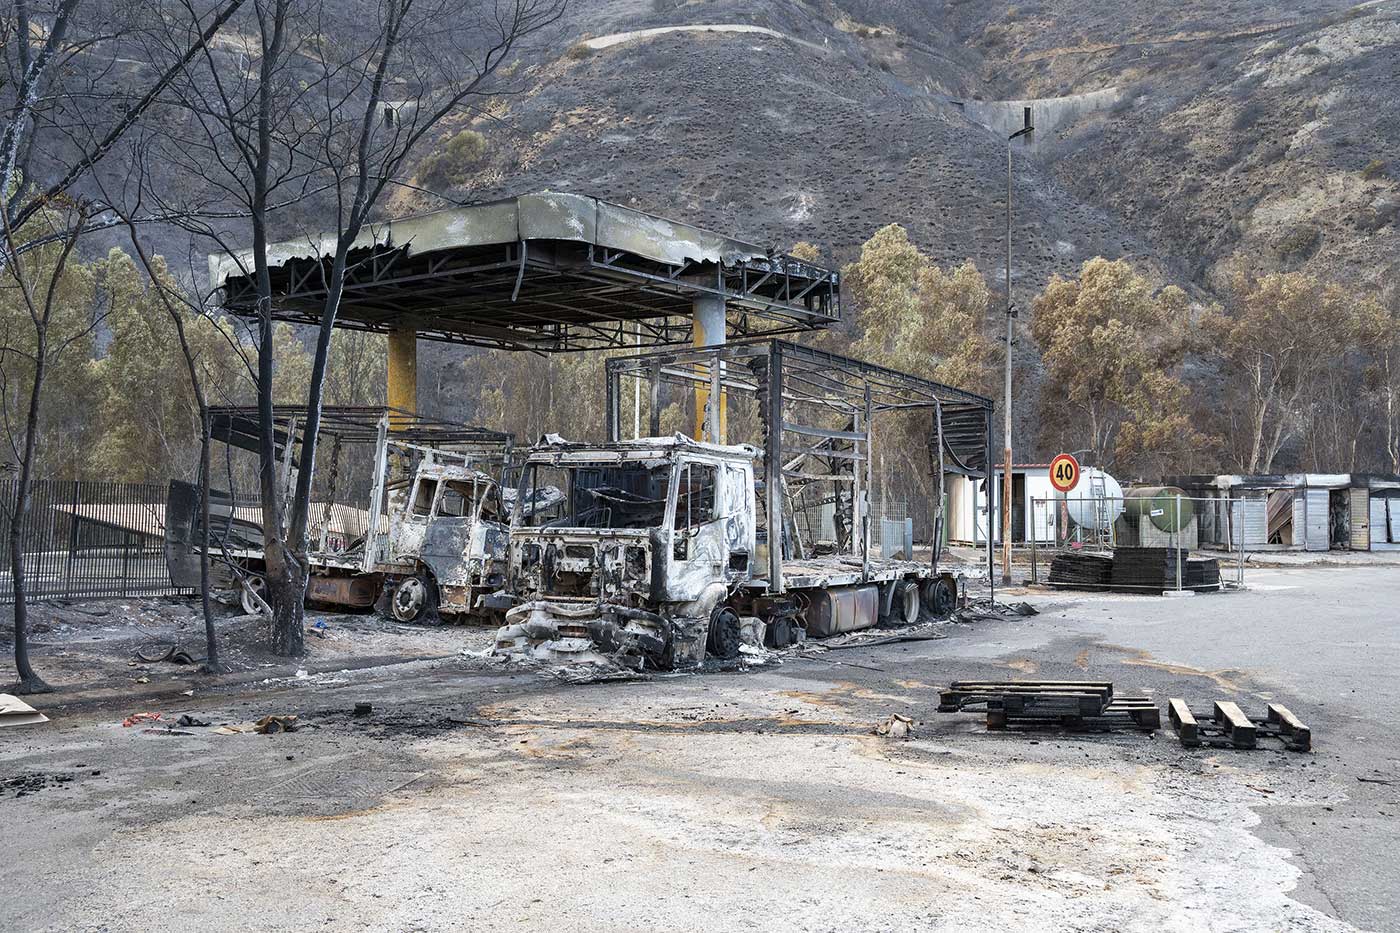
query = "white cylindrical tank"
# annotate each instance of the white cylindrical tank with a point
(1096, 502)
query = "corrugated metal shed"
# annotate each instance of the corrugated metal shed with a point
(1360, 508)
(1317, 524)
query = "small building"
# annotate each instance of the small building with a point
(1300, 511)
(1031, 518)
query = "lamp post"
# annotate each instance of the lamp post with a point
(1006, 405)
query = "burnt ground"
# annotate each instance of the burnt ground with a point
(479, 796)
(94, 651)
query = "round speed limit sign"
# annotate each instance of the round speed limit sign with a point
(1064, 472)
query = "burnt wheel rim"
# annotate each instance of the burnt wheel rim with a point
(409, 599)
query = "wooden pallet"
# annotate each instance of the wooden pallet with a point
(1088, 705)
(1228, 727)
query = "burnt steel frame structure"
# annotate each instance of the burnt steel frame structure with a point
(237, 426)
(795, 375)
(548, 295)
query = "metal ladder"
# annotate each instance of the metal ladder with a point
(1099, 493)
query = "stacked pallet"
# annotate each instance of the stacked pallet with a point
(1139, 569)
(1202, 573)
(1064, 703)
(1081, 570)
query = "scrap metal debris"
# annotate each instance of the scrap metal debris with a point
(984, 609)
(158, 652)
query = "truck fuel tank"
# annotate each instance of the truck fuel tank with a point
(842, 609)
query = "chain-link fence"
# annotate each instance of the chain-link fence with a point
(1149, 542)
(86, 539)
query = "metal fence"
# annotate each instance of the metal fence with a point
(1183, 533)
(87, 539)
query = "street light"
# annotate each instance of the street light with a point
(1006, 405)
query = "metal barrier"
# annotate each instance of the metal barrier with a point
(1180, 526)
(88, 539)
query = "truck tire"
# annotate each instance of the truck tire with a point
(723, 641)
(906, 602)
(414, 599)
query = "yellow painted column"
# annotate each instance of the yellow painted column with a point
(402, 370)
(708, 330)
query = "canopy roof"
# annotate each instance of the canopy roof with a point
(543, 272)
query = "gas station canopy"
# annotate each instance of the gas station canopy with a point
(544, 272)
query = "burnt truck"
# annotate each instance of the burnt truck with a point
(665, 549)
(420, 531)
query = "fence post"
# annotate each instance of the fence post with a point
(1035, 533)
(1239, 578)
(1178, 543)
(72, 543)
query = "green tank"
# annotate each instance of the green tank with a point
(1158, 505)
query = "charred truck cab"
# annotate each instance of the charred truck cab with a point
(665, 549)
(444, 549)
(650, 540)
(406, 516)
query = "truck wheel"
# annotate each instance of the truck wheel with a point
(939, 597)
(413, 599)
(723, 641)
(906, 602)
(251, 589)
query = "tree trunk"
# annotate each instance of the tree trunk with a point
(286, 591)
(29, 681)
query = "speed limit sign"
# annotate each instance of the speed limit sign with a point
(1064, 472)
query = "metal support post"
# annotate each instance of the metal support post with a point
(613, 404)
(941, 491)
(991, 511)
(654, 427)
(863, 505)
(773, 468)
(1177, 523)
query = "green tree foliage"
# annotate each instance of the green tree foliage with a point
(356, 372)
(291, 372)
(67, 399)
(1278, 340)
(914, 316)
(453, 161)
(1112, 349)
(148, 419)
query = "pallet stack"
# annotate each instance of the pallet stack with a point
(1064, 703)
(1202, 573)
(1139, 569)
(1081, 570)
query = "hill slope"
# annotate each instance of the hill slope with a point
(1185, 134)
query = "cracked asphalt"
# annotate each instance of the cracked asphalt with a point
(480, 797)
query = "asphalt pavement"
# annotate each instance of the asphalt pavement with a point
(487, 797)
